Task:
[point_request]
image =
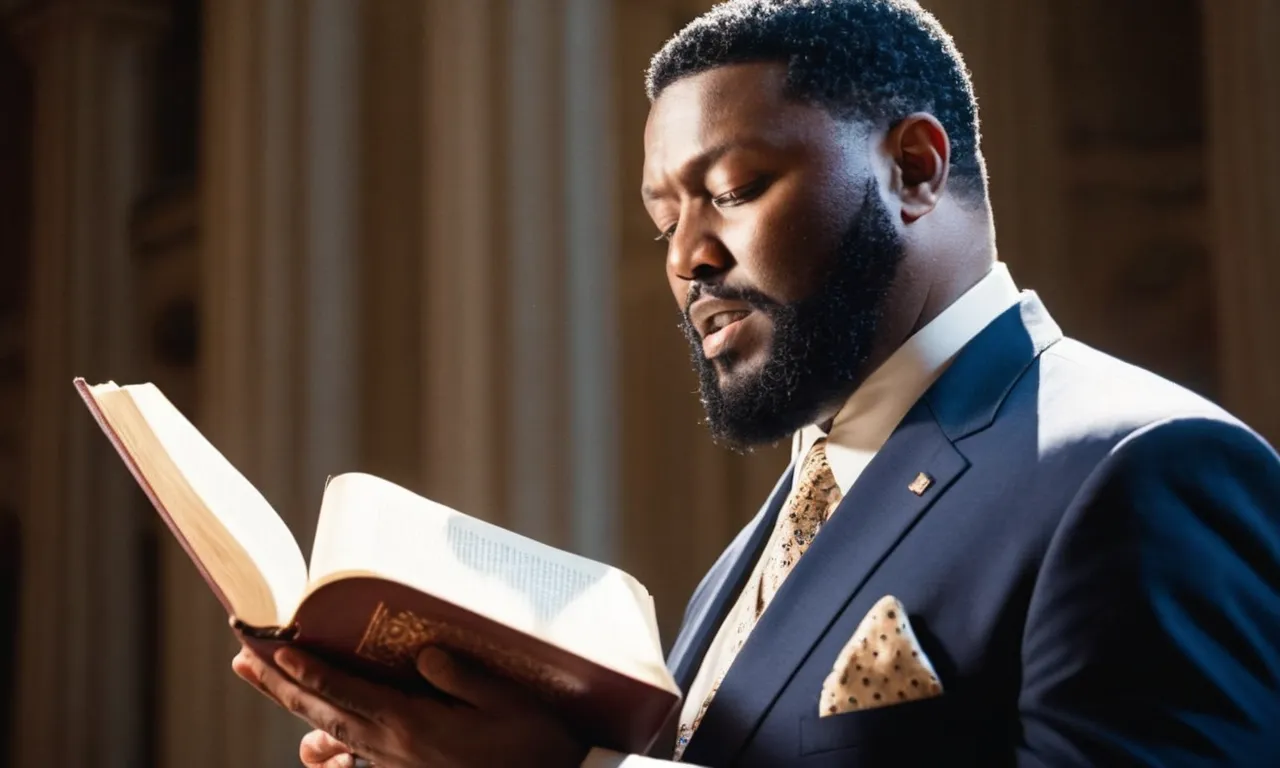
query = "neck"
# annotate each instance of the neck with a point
(931, 280)
(958, 255)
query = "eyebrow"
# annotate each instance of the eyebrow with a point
(703, 160)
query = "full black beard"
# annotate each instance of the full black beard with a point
(821, 344)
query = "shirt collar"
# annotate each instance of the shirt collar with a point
(870, 415)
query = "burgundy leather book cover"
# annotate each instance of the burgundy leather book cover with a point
(375, 628)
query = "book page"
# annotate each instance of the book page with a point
(369, 526)
(234, 533)
(549, 585)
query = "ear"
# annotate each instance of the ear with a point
(921, 153)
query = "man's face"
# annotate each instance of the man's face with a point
(781, 252)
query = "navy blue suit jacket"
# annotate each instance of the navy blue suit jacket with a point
(1094, 573)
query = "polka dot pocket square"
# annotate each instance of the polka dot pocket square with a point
(881, 665)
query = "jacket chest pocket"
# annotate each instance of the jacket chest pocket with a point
(895, 732)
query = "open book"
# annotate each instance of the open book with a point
(391, 572)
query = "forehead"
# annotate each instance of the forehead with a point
(741, 103)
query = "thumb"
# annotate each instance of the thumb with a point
(464, 680)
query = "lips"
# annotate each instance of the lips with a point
(718, 321)
(715, 343)
(711, 315)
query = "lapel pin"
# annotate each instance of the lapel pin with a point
(920, 484)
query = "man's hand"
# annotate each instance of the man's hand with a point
(320, 750)
(486, 722)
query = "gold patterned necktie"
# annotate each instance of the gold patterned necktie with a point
(816, 496)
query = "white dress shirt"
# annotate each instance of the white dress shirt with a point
(859, 429)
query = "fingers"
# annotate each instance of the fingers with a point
(248, 666)
(377, 703)
(466, 681)
(343, 725)
(320, 749)
(347, 761)
(243, 666)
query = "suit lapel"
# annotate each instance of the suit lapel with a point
(721, 587)
(879, 509)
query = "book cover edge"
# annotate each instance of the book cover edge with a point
(91, 403)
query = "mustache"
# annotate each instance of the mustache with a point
(751, 296)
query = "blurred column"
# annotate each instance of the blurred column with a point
(537, 448)
(518, 328)
(393, 141)
(461, 289)
(332, 265)
(79, 671)
(279, 324)
(1244, 160)
(1007, 46)
(593, 254)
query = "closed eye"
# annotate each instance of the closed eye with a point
(734, 197)
(744, 194)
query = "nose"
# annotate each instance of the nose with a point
(695, 253)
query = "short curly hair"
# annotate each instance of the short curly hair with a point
(871, 60)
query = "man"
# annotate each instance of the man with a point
(995, 546)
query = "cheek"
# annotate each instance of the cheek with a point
(786, 245)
